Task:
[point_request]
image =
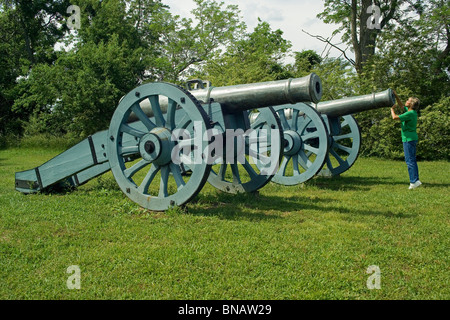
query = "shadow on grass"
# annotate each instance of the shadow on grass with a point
(433, 185)
(351, 183)
(346, 183)
(262, 207)
(246, 206)
(256, 207)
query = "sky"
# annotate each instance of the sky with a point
(290, 16)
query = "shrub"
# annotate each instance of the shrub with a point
(381, 136)
(434, 131)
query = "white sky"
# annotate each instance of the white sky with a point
(290, 16)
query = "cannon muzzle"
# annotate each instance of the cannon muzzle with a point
(351, 105)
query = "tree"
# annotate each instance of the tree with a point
(434, 26)
(409, 53)
(121, 44)
(414, 55)
(338, 78)
(29, 31)
(108, 56)
(354, 20)
(188, 43)
(257, 57)
(306, 60)
(79, 93)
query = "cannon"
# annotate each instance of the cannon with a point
(323, 138)
(164, 142)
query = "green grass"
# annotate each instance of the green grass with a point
(312, 241)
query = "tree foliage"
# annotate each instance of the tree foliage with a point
(354, 18)
(434, 131)
(190, 42)
(79, 93)
(28, 32)
(256, 57)
(107, 57)
(68, 82)
(409, 53)
(382, 138)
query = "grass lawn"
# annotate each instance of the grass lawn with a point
(311, 241)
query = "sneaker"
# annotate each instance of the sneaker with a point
(415, 184)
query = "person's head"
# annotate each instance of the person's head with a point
(413, 103)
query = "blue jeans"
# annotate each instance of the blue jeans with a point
(410, 148)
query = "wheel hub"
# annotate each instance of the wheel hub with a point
(156, 146)
(292, 142)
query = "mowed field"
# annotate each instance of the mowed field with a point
(312, 241)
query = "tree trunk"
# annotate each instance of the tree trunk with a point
(364, 43)
(354, 32)
(367, 37)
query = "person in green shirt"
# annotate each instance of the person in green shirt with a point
(409, 135)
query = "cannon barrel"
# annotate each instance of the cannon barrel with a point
(264, 94)
(256, 95)
(351, 105)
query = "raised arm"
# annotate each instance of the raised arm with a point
(397, 99)
(399, 103)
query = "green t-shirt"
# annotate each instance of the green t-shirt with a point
(409, 125)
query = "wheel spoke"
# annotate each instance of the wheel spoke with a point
(284, 122)
(143, 117)
(184, 122)
(295, 165)
(295, 119)
(304, 161)
(249, 169)
(284, 164)
(345, 136)
(310, 135)
(260, 121)
(338, 157)
(222, 171)
(131, 131)
(164, 182)
(135, 168)
(236, 176)
(186, 159)
(186, 143)
(311, 148)
(156, 108)
(343, 148)
(124, 151)
(148, 179)
(170, 122)
(329, 164)
(304, 125)
(264, 143)
(177, 176)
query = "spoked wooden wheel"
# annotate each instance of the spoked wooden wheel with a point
(344, 147)
(305, 144)
(254, 160)
(154, 180)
